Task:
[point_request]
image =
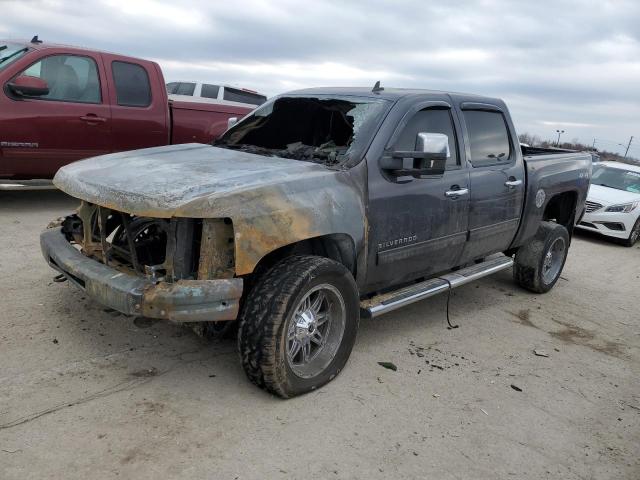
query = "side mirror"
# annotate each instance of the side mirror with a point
(231, 122)
(429, 158)
(25, 86)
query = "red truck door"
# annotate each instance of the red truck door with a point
(71, 122)
(140, 108)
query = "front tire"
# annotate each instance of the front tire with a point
(298, 325)
(634, 235)
(539, 262)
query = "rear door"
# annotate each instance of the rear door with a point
(70, 123)
(496, 180)
(417, 226)
(140, 108)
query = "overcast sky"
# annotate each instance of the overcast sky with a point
(570, 65)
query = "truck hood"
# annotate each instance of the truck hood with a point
(272, 202)
(610, 196)
(164, 181)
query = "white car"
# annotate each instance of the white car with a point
(218, 94)
(613, 202)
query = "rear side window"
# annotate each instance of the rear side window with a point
(430, 121)
(209, 91)
(236, 95)
(132, 84)
(172, 87)
(185, 88)
(488, 138)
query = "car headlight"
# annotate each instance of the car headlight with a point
(624, 208)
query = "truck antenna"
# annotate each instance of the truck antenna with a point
(35, 39)
(377, 88)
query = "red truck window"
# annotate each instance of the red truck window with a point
(71, 78)
(132, 84)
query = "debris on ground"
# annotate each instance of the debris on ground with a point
(516, 388)
(540, 353)
(484, 411)
(388, 365)
(146, 372)
(144, 322)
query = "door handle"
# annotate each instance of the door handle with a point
(456, 193)
(513, 183)
(93, 119)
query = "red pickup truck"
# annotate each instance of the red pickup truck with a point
(59, 104)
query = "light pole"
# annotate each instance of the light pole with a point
(559, 132)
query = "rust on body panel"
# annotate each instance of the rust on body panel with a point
(216, 249)
(181, 301)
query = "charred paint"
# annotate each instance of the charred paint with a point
(271, 201)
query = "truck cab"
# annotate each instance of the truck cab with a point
(192, 91)
(60, 104)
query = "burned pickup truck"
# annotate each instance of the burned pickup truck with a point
(321, 206)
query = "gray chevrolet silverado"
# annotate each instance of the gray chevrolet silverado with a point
(321, 206)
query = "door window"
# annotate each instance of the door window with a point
(209, 91)
(132, 84)
(430, 120)
(185, 88)
(71, 78)
(488, 138)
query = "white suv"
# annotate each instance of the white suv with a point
(211, 93)
(613, 202)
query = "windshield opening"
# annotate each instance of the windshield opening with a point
(618, 178)
(330, 131)
(10, 52)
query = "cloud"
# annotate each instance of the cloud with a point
(568, 62)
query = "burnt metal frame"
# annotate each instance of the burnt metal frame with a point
(103, 216)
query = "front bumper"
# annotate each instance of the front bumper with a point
(182, 301)
(612, 224)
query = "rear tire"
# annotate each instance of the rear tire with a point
(298, 325)
(539, 263)
(633, 236)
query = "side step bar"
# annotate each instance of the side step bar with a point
(387, 302)
(6, 184)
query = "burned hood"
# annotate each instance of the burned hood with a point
(272, 202)
(164, 181)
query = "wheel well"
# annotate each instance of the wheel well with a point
(562, 209)
(338, 246)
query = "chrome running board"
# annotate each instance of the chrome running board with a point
(388, 302)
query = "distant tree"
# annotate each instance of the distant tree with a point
(575, 144)
(529, 139)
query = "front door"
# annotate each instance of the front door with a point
(418, 227)
(497, 182)
(71, 122)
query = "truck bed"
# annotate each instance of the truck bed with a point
(550, 172)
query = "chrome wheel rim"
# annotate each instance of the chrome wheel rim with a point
(315, 330)
(553, 259)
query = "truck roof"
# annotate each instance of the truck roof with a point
(389, 93)
(46, 45)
